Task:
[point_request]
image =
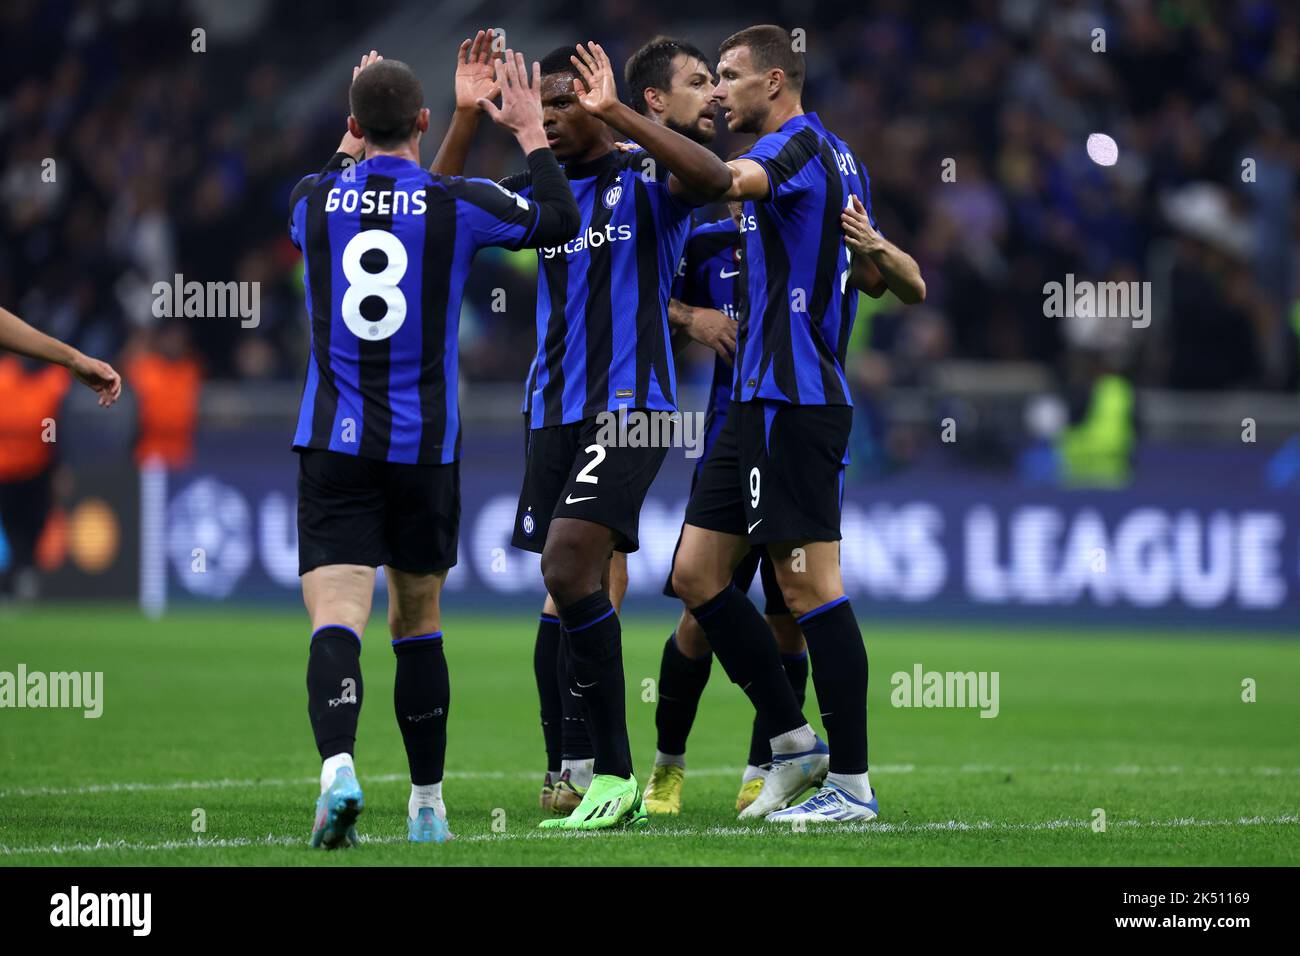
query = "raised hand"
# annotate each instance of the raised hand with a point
(353, 145)
(475, 73)
(600, 93)
(366, 60)
(520, 111)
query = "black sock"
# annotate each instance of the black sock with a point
(747, 651)
(334, 689)
(681, 683)
(760, 741)
(421, 699)
(839, 673)
(596, 655)
(545, 654)
(575, 734)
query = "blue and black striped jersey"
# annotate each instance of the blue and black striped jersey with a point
(709, 278)
(387, 248)
(798, 306)
(602, 298)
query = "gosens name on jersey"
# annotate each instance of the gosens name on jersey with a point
(387, 248)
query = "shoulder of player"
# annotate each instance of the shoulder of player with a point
(474, 188)
(642, 165)
(717, 230)
(304, 187)
(633, 159)
(709, 238)
(802, 145)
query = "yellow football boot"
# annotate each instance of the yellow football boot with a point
(663, 793)
(749, 792)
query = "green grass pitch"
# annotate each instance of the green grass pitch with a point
(206, 710)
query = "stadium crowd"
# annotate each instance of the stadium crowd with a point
(165, 162)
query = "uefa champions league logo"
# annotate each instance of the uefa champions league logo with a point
(215, 518)
(612, 195)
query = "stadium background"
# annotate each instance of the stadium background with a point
(1005, 463)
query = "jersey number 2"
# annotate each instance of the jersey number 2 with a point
(364, 284)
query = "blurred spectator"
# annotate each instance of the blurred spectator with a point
(166, 380)
(33, 392)
(165, 160)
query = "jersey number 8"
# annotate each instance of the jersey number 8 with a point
(364, 284)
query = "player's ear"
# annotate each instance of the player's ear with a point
(775, 82)
(654, 100)
(355, 128)
(422, 120)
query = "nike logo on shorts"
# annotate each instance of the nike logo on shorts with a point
(570, 500)
(754, 525)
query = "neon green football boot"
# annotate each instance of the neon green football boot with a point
(608, 803)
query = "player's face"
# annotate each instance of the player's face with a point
(571, 131)
(690, 107)
(741, 91)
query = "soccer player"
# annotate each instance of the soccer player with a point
(775, 474)
(709, 282)
(669, 82)
(569, 755)
(387, 249)
(602, 347)
(19, 337)
(685, 107)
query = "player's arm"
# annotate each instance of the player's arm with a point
(709, 327)
(475, 80)
(878, 264)
(520, 112)
(17, 336)
(697, 175)
(749, 181)
(350, 146)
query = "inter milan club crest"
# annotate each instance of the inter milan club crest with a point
(612, 195)
(528, 523)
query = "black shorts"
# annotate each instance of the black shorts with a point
(355, 510)
(775, 473)
(569, 474)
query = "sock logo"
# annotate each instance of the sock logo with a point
(416, 718)
(349, 695)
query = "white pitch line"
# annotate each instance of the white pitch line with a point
(738, 832)
(227, 783)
